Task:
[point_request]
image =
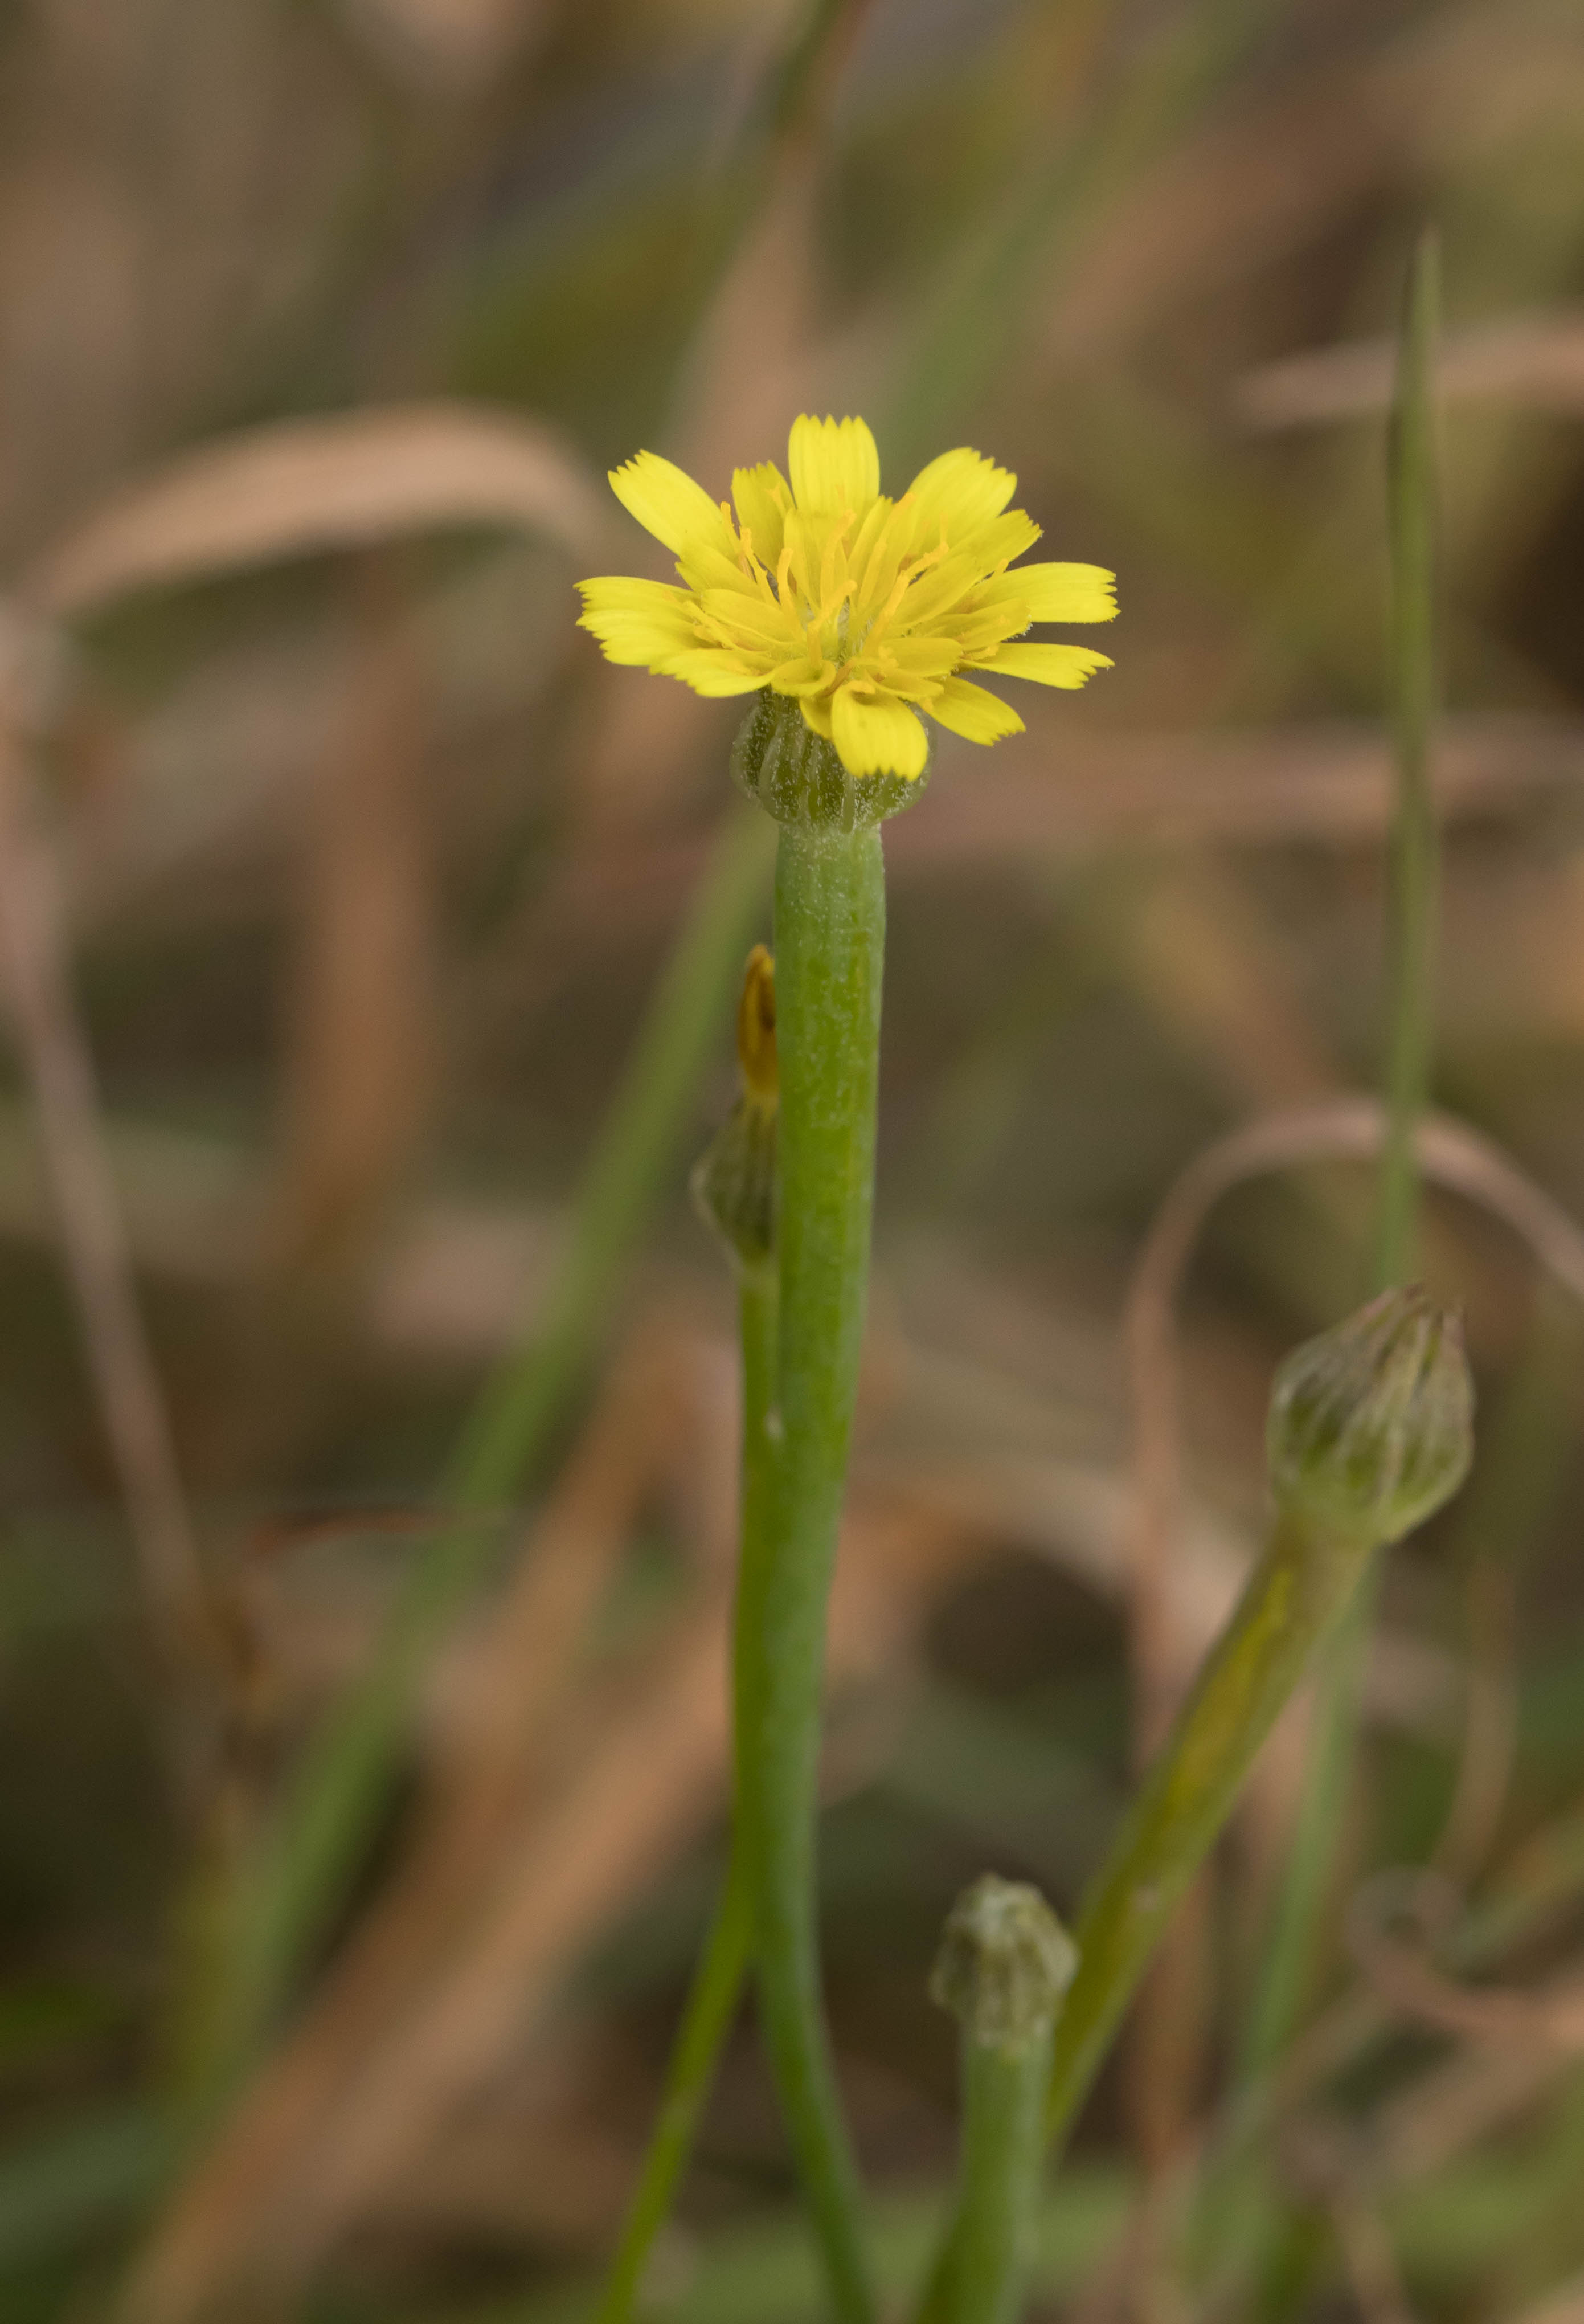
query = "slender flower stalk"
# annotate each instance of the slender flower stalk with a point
(1416, 854)
(1004, 1965)
(712, 2004)
(851, 616)
(1370, 1432)
(1287, 1972)
(734, 1188)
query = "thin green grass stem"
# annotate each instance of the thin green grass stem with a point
(344, 1784)
(1294, 1599)
(830, 941)
(1284, 1987)
(1415, 869)
(1291, 1961)
(635, 1150)
(722, 1968)
(712, 2004)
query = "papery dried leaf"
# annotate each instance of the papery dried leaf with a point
(318, 484)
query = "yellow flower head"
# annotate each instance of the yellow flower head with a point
(865, 610)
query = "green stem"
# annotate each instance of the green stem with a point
(1295, 1595)
(982, 2273)
(343, 1786)
(830, 939)
(1288, 1971)
(718, 1979)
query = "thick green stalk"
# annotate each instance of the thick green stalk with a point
(982, 2274)
(1288, 1971)
(830, 940)
(1004, 1965)
(1293, 1598)
(344, 1784)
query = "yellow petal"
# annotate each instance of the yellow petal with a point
(706, 564)
(758, 511)
(1001, 540)
(987, 627)
(1046, 665)
(800, 677)
(936, 590)
(835, 464)
(1058, 592)
(667, 501)
(960, 490)
(970, 711)
(710, 672)
(619, 593)
(747, 612)
(926, 656)
(639, 623)
(879, 736)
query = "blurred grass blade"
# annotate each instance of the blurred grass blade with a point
(637, 1144)
(345, 1781)
(975, 325)
(62, 2187)
(54, 1050)
(767, 2270)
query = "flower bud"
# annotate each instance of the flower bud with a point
(756, 1029)
(795, 775)
(733, 1183)
(1371, 1425)
(1004, 1964)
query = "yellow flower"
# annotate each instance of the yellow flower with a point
(866, 610)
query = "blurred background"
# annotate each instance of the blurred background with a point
(370, 950)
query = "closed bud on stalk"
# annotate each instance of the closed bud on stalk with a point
(734, 1181)
(1371, 1425)
(1005, 1963)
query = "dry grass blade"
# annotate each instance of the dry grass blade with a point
(364, 1045)
(60, 1077)
(481, 1813)
(1370, 2262)
(312, 484)
(1326, 782)
(333, 2128)
(1490, 1728)
(1565, 2305)
(1535, 360)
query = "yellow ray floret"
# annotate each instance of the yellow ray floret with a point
(867, 612)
